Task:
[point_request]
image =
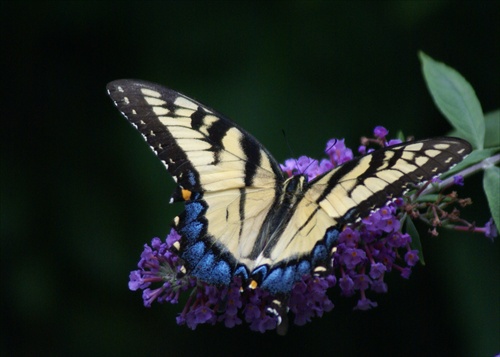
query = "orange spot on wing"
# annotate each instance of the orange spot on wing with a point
(253, 284)
(186, 194)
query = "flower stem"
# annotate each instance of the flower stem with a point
(491, 161)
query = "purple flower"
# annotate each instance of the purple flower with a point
(379, 286)
(204, 314)
(308, 167)
(349, 237)
(159, 265)
(411, 257)
(382, 220)
(377, 270)
(385, 212)
(338, 152)
(212, 294)
(264, 323)
(353, 257)
(491, 229)
(365, 304)
(325, 166)
(251, 312)
(406, 272)
(398, 239)
(380, 132)
(234, 302)
(346, 285)
(398, 202)
(393, 142)
(372, 222)
(386, 255)
(136, 281)
(172, 238)
(230, 320)
(308, 299)
(289, 167)
(458, 180)
(361, 281)
(199, 315)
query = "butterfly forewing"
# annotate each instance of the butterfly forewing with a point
(201, 149)
(359, 186)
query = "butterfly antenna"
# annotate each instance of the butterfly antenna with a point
(334, 143)
(290, 149)
(312, 161)
(288, 144)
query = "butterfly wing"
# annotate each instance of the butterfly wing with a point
(226, 178)
(346, 194)
(354, 189)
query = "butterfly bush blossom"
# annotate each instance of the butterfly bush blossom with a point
(364, 254)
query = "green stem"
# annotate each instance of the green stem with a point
(491, 161)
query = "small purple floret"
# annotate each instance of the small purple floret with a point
(491, 230)
(365, 304)
(411, 257)
(380, 132)
(458, 180)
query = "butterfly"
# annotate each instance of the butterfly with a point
(242, 216)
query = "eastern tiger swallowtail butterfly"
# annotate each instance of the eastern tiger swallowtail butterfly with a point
(242, 216)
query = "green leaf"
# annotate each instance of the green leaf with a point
(456, 99)
(491, 183)
(473, 158)
(415, 238)
(400, 135)
(492, 122)
(453, 133)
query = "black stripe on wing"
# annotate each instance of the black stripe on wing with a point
(131, 102)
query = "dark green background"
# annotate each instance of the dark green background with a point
(81, 192)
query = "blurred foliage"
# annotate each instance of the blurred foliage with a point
(81, 192)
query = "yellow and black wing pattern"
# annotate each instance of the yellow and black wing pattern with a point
(242, 217)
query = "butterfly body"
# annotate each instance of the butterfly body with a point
(242, 217)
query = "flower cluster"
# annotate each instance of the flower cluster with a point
(364, 253)
(160, 264)
(338, 154)
(229, 304)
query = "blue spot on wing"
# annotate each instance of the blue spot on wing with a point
(193, 211)
(319, 255)
(192, 231)
(213, 265)
(280, 280)
(303, 268)
(242, 272)
(191, 178)
(331, 237)
(260, 271)
(194, 253)
(212, 271)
